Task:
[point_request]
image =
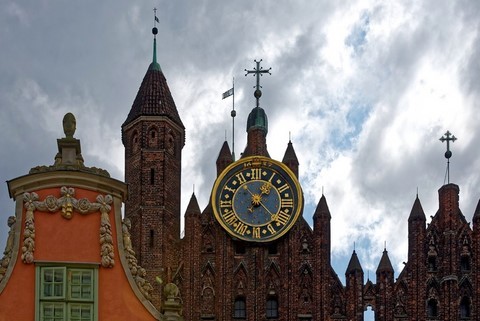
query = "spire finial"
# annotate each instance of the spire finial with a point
(448, 137)
(154, 65)
(258, 71)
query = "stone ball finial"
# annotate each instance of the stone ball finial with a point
(69, 125)
(171, 291)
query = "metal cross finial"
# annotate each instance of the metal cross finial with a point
(448, 137)
(258, 71)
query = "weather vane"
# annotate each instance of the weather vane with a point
(258, 71)
(448, 137)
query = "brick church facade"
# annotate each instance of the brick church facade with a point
(221, 278)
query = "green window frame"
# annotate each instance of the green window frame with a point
(66, 293)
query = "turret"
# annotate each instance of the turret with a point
(416, 269)
(153, 135)
(224, 158)
(354, 289)
(385, 284)
(321, 238)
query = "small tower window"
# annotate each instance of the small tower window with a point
(272, 308)
(152, 238)
(432, 263)
(240, 308)
(432, 308)
(152, 176)
(465, 263)
(465, 310)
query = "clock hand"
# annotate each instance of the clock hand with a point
(260, 202)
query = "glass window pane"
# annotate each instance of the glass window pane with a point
(81, 312)
(52, 282)
(52, 311)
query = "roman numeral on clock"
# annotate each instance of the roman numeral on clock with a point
(283, 188)
(226, 203)
(241, 178)
(241, 228)
(256, 173)
(256, 232)
(229, 217)
(286, 202)
(282, 218)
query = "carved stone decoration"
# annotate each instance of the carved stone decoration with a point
(28, 247)
(67, 204)
(137, 271)
(7, 254)
(106, 239)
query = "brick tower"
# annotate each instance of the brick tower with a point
(153, 136)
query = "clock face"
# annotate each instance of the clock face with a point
(257, 199)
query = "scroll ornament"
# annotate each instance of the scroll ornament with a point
(67, 204)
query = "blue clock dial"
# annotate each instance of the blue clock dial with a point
(257, 199)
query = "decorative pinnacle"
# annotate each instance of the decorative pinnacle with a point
(258, 71)
(448, 137)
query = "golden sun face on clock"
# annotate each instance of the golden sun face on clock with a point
(257, 199)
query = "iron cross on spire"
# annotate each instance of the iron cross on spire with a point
(448, 137)
(258, 71)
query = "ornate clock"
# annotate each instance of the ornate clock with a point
(257, 199)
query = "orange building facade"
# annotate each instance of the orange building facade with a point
(68, 254)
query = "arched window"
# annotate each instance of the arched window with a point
(465, 308)
(240, 308)
(432, 308)
(272, 308)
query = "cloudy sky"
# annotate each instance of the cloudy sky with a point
(365, 89)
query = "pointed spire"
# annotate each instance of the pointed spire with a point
(224, 158)
(193, 208)
(385, 265)
(154, 97)
(417, 213)
(290, 158)
(322, 210)
(354, 264)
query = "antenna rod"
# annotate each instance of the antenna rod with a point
(233, 113)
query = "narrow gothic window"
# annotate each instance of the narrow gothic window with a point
(272, 308)
(465, 263)
(432, 263)
(465, 308)
(152, 134)
(152, 176)
(432, 308)
(240, 308)
(152, 238)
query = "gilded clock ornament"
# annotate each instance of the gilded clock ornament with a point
(257, 199)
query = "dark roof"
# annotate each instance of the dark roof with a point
(257, 119)
(225, 154)
(354, 264)
(154, 98)
(290, 155)
(193, 208)
(417, 213)
(322, 209)
(476, 214)
(385, 265)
